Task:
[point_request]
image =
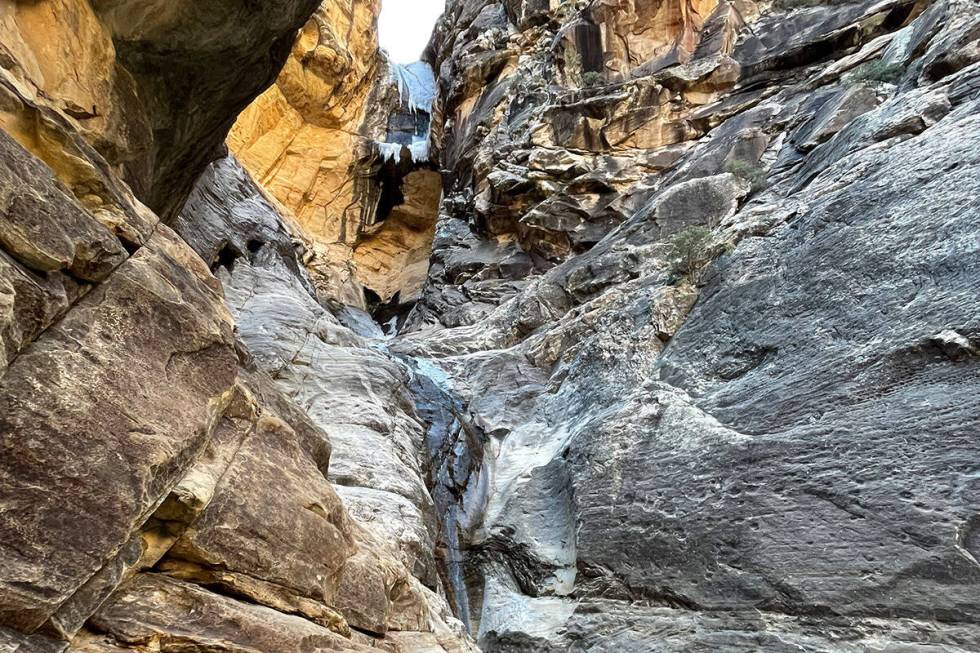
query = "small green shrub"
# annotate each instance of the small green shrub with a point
(690, 253)
(754, 174)
(573, 67)
(593, 79)
(529, 83)
(877, 72)
(798, 4)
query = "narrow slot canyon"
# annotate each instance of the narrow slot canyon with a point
(347, 157)
(448, 326)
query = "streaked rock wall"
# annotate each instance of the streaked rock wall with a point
(767, 454)
(159, 490)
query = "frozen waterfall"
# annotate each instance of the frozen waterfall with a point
(416, 89)
(416, 85)
(419, 151)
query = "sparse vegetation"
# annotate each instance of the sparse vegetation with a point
(753, 173)
(690, 253)
(529, 83)
(877, 72)
(593, 79)
(573, 67)
(798, 4)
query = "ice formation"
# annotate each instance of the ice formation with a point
(419, 151)
(416, 88)
(416, 85)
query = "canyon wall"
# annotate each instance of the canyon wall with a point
(161, 486)
(692, 366)
(703, 301)
(316, 141)
(306, 139)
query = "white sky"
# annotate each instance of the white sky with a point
(406, 25)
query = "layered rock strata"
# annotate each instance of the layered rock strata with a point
(694, 367)
(774, 453)
(325, 141)
(160, 489)
(355, 397)
(153, 87)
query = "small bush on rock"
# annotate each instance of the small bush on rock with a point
(529, 83)
(750, 172)
(877, 72)
(690, 252)
(593, 79)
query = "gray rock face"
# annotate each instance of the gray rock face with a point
(381, 557)
(227, 218)
(849, 414)
(781, 457)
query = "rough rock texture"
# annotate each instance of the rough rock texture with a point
(775, 454)
(154, 87)
(316, 110)
(584, 438)
(373, 570)
(306, 138)
(158, 490)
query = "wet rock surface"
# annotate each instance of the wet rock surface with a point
(159, 488)
(366, 562)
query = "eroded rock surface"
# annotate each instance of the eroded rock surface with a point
(159, 489)
(582, 438)
(775, 454)
(154, 87)
(372, 570)
(325, 141)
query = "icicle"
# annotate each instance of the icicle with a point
(416, 85)
(419, 151)
(390, 151)
(417, 89)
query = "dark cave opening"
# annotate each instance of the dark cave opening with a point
(389, 182)
(230, 253)
(226, 257)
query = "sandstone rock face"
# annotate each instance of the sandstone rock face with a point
(694, 367)
(632, 34)
(312, 141)
(153, 87)
(158, 488)
(305, 138)
(773, 454)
